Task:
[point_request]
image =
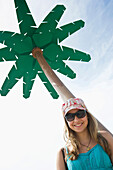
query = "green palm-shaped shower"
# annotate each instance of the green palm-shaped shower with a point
(47, 37)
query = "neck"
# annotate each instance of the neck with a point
(83, 137)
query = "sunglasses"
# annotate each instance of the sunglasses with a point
(71, 116)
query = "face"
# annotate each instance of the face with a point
(78, 124)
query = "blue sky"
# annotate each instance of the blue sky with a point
(29, 128)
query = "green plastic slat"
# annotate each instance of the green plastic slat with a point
(4, 35)
(20, 44)
(28, 81)
(7, 54)
(48, 85)
(62, 68)
(24, 17)
(75, 55)
(26, 63)
(67, 30)
(10, 81)
(17, 72)
(51, 21)
(43, 39)
(54, 52)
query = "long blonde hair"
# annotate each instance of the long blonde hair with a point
(70, 137)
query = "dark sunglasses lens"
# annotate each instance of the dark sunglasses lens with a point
(70, 117)
(81, 113)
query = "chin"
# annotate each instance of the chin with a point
(80, 129)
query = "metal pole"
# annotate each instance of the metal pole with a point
(55, 81)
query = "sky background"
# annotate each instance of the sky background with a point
(31, 130)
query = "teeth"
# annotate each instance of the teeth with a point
(79, 124)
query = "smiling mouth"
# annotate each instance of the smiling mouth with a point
(78, 125)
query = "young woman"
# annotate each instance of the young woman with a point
(86, 147)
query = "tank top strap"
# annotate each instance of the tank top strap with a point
(68, 157)
(66, 149)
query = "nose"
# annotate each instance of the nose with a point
(76, 118)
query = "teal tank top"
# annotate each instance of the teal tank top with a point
(95, 159)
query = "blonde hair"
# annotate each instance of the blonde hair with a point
(70, 138)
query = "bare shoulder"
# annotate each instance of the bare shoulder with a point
(60, 152)
(60, 160)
